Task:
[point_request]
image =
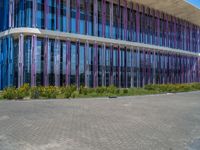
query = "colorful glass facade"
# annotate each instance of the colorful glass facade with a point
(73, 52)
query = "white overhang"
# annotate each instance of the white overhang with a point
(177, 8)
(92, 39)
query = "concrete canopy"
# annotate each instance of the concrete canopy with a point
(177, 8)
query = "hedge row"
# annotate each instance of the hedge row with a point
(50, 92)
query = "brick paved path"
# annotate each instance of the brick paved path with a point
(164, 122)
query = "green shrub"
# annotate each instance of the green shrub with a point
(75, 94)
(111, 89)
(125, 91)
(83, 90)
(101, 90)
(35, 93)
(9, 93)
(49, 92)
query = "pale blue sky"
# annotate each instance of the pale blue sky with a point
(194, 2)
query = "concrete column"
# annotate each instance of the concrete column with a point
(144, 68)
(68, 61)
(149, 67)
(154, 67)
(86, 16)
(57, 62)
(21, 61)
(46, 77)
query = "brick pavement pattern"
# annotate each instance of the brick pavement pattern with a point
(159, 122)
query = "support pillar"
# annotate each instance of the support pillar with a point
(77, 64)
(33, 63)
(154, 67)
(11, 14)
(57, 62)
(78, 16)
(132, 68)
(21, 61)
(111, 19)
(125, 67)
(46, 77)
(95, 75)
(138, 67)
(125, 19)
(158, 27)
(1, 62)
(68, 15)
(103, 65)
(118, 67)
(86, 64)
(58, 15)
(68, 61)
(10, 61)
(95, 15)
(86, 16)
(46, 11)
(118, 20)
(103, 17)
(144, 68)
(111, 65)
(34, 10)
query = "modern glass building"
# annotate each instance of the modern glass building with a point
(126, 43)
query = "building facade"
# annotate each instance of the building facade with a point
(95, 43)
